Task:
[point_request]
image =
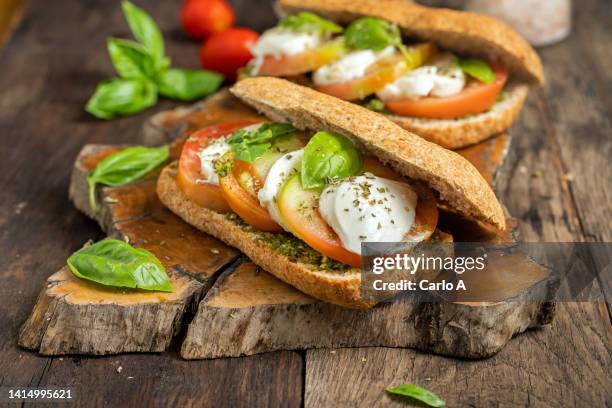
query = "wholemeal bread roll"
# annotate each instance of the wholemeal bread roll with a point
(458, 184)
(465, 33)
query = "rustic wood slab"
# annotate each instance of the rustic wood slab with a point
(553, 181)
(277, 316)
(249, 311)
(75, 316)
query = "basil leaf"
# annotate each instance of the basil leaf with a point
(329, 156)
(478, 69)
(115, 263)
(249, 145)
(131, 60)
(309, 22)
(187, 84)
(375, 105)
(369, 33)
(146, 32)
(121, 97)
(124, 167)
(417, 393)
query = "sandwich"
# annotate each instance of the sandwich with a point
(300, 191)
(452, 77)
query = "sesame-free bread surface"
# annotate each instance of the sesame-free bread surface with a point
(457, 181)
(457, 133)
(462, 32)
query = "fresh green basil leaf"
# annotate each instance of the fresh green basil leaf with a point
(115, 263)
(375, 105)
(125, 166)
(329, 156)
(187, 84)
(121, 97)
(309, 22)
(478, 69)
(146, 32)
(131, 60)
(249, 145)
(418, 393)
(369, 33)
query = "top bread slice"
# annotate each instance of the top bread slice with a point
(463, 32)
(460, 31)
(457, 181)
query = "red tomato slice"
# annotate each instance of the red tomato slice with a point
(189, 171)
(299, 210)
(246, 205)
(303, 62)
(381, 73)
(474, 99)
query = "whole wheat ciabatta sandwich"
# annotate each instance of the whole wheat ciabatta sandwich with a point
(298, 194)
(452, 77)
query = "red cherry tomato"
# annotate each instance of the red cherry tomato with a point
(227, 51)
(202, 18)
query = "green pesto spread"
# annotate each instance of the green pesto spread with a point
(291, 247)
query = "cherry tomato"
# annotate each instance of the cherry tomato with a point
(189, 172)
(474, 99)
(201, 18)
(228, 51)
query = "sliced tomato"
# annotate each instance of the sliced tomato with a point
(381, 73)
(299, 211)
(189, 171)
(246, 205)
(303, 62)
(476, 98)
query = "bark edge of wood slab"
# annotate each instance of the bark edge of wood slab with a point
(284, 318)
(75, 316)
(240, 320)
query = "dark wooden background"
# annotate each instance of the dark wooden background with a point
(557, 181)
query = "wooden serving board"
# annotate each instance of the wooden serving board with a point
(242, 310)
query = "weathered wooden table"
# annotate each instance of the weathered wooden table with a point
(557, 181)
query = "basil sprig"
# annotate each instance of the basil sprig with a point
(370, 33)
(144, 70)
(477, 68)
(124, 167)
(115, 263)
(329, 156)
(121, 96)
(418, 393)
(309, 22)
(249, 145)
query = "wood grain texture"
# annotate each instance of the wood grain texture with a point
(563, 365)
(73, 316)
(248, 311)
(49, 69)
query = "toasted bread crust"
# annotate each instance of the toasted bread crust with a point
(341, 288)
(460, 31)
(456, 180)
(454, 134)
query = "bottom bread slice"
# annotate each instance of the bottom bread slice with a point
(275, 253)
(457, 133)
